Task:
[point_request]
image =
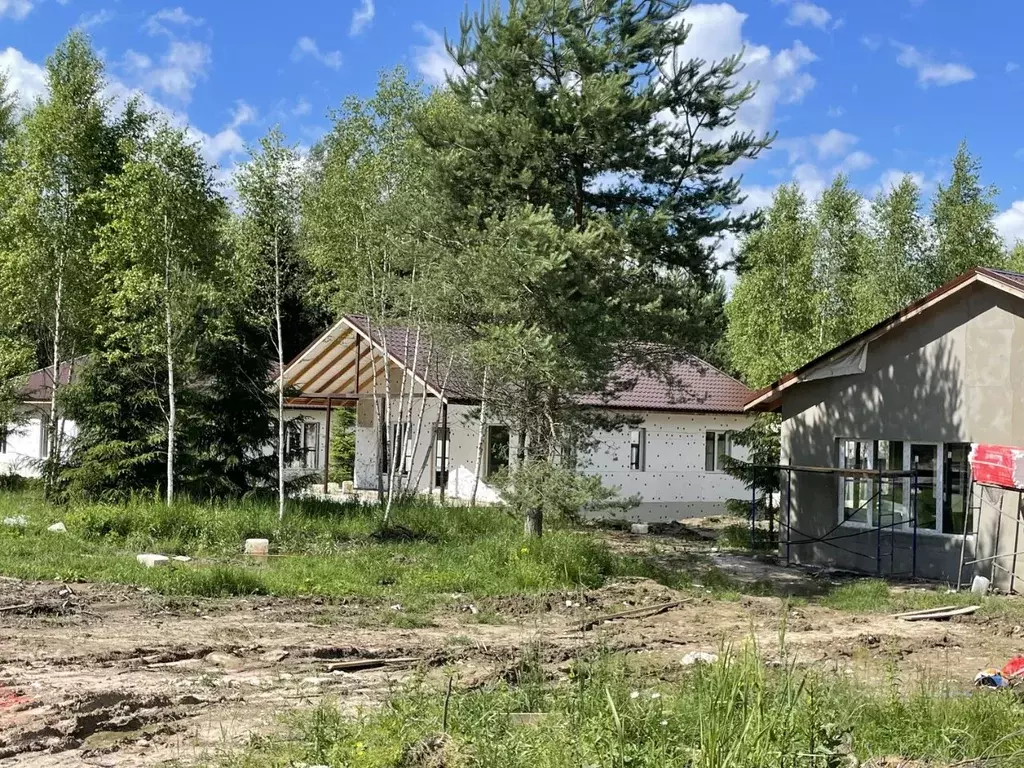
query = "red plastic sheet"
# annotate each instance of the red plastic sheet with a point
(1001, 465)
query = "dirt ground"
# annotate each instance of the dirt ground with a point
(100, 675)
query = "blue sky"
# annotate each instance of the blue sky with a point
(874, 88)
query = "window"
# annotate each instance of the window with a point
(937, 491)
(44, 436)
(638, 449)
(497, 449)
(311, 445)
(4, 432)
(857, 495)
(717, 445)
(400, 435)
(956, 482)
(442, 456)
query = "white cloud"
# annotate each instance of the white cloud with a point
(1010, 223)
(929, 71)
(90, 20)
(361, 17)
(137, 62)
(25, 77)
(716, 31)
(306, 46)
(891, 177)
(180, 69)
(432, 60)
(157, 23)
(854, 162)
(833, 143)
(1012, 66)
(302, 107)
(16, 9)
(808, 14)
(243, 114)
(836, 112)
(871, 42)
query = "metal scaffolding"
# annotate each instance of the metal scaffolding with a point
(885, 536)
(976, 493)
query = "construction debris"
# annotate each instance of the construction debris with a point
(57, 528)
(356, 665)
(635, 613)
(937, 614)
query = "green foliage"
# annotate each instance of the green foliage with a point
(736, 713)
(559, 492)
(328, 549)
(963, 213)
(343, 444)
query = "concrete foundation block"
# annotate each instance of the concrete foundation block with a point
(152, 561)
(639, 528)
(257, 547)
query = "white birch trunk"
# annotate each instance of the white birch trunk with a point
(410, 485)
(52, 427)
(172, 405)
(478, 471)
(280, 380)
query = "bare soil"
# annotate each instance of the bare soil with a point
(102, 675)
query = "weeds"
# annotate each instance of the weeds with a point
(738, 712)
(320, 548)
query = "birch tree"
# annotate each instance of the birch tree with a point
(159, 255)
(60, 159)
(269, 187)
(364, 233)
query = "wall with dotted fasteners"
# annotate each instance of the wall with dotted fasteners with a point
(673, 482)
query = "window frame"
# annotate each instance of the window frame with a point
(442, 474)
(488, 440)
(638, 449)
(44, 436)
(908, 489)
(308, 462)
(716, 456)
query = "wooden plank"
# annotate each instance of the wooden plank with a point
(923, 611)
(318, 358)
(356, 665)
(942, 614)
(635, 613)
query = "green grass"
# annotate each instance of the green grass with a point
(878, 596)
(736, 713)
(319, 549)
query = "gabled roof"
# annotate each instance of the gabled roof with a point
(327, 368)
(769, 398)
(37, 386)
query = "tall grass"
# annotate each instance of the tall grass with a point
(736, 713)
(319, 548)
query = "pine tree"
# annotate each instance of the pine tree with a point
(962, 213)
(589, 175)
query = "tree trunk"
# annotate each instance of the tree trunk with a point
(480, 441)
(534, 523)
(280, 381)
(52, 428)
(172, 405)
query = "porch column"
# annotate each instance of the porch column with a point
(327, 445)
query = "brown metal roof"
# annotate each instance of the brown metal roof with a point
(687, 384)
(37, 386)
(769, 398)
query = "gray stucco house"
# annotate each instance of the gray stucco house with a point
(911, 394)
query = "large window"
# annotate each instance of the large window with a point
(44, 436)
(937, 491)
(717, 446)
(638, 449)
(497, 449)
(311, 445)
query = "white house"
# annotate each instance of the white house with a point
(670, 455)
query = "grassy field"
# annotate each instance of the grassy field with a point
(735, 713)
(320, 548)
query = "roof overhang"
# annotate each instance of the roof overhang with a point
(344, 365)
(770, 398)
